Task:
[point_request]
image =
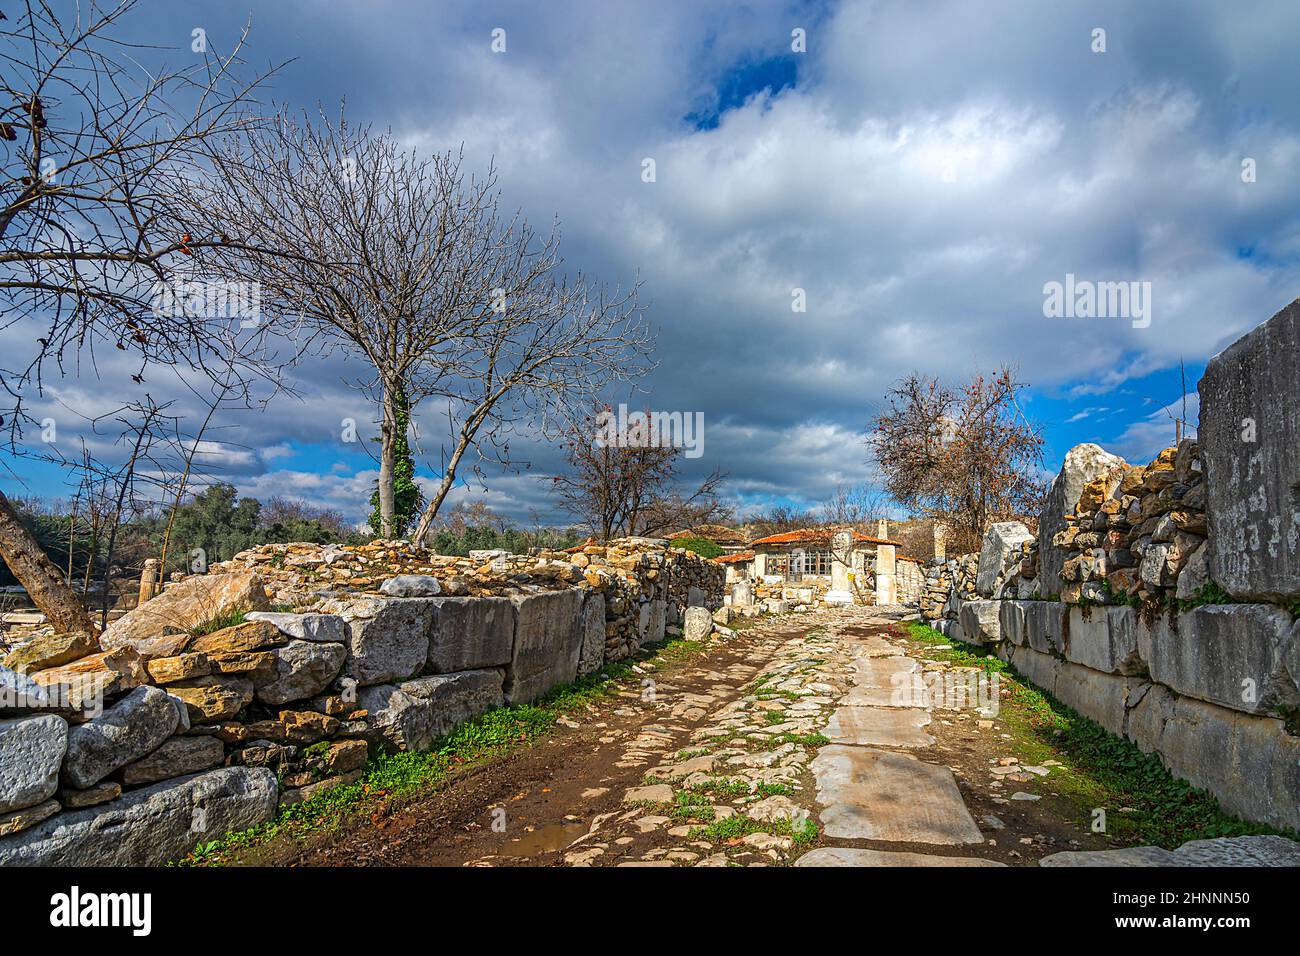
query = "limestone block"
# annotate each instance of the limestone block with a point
(31, 752)
(1250, 451)
(592, 627)
(183, 607)
(1082, 464)
(302, 669)
(980, 622)
(466, 633)
(1105, 639)
(548, 643)
(128, 730)
(152, 826)
(413, 715)
(388, 638)
(999, 553)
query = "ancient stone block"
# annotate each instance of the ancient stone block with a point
(302, 669)
(979, 621)
(213, 698)
(1250, 451)
(1011, 622)
(414, 715)
(999, 554)
(548, 643)
(698, 623)
(152, 826)
(467, 633)
(51, 650)
(1105, 639)
(1045, 624)
(304, 627)
(388, 638)
(592, 656)
(1233, 655)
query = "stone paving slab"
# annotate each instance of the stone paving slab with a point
(1222, 851)
(884, 671)
(881, 795)
(853, 856)
(879, 727)
(909, 693)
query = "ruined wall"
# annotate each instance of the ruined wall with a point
(1161, 600)
(168, 730)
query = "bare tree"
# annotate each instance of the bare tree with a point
(408, 262)
(90, 221)
(855, 506)
(616, 490)
(966, 458)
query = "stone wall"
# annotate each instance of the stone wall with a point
(133, 746)
(1161, 600)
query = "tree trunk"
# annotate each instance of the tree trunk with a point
(37, 573)
(448, 479)
(387, 463)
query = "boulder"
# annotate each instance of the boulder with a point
(592, 626)
(51, 650)
(304, 627)
(31, 752)
(413, 715)
(152, 826)
(411, 585)
(302, 669)
(169, 670)
(213, 698)
(1250, 451)
(548, 644)
(999, 554)
(1082, 464)
(183, 608)
(467, 633)
(388, 638)
(125, 732)
(698, 623)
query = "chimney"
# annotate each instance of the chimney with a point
(882, 528)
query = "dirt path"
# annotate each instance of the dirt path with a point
(787, 738)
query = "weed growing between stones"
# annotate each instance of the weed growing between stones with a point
(1146, 804)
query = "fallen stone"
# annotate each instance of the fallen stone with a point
(175, 758)
(85, 683)
(125, 732)
(184, 608)
(698, 623)
(151, 826)
(302, 669)
(31, 752)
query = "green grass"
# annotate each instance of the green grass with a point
(229, 619)
(402, 776)
(738, 826)
(1100, 770)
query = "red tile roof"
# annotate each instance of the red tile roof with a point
(734, 558)
(817, 534)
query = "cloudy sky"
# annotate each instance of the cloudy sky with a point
(921, 170)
